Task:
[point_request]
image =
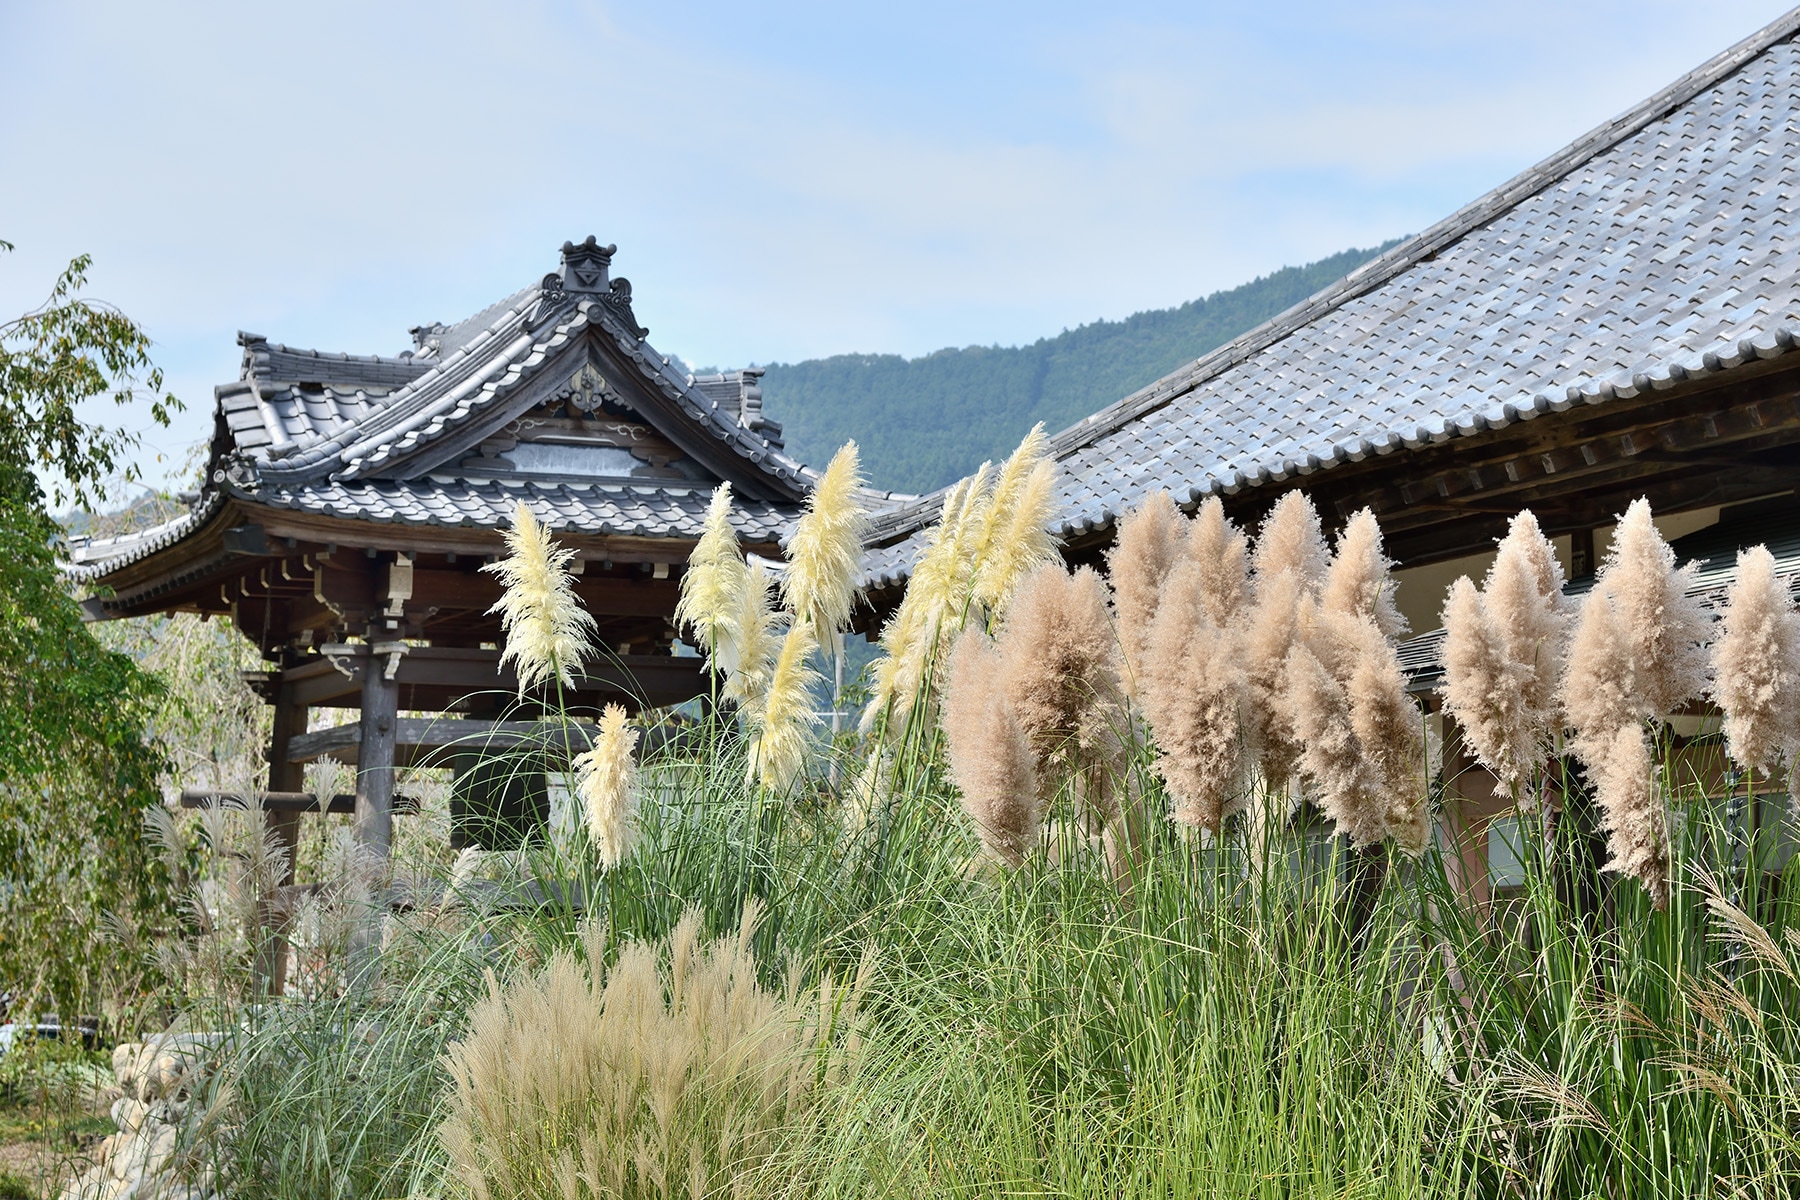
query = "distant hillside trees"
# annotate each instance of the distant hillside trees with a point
(924, 422)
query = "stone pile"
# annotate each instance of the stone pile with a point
(157, 1080)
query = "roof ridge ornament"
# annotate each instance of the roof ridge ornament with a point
(584, 266)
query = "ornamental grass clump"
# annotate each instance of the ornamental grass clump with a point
(547, 631)
(673, 1072)
(607, 784)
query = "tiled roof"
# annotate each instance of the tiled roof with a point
(332, 433)
(574, 507)
(1663, 245)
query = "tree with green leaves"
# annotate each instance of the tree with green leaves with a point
(78, 767)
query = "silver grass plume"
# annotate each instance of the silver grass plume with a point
(712, 587)
(932, 611)
(780, 726)
(1015, 539)
(991, 759)
(753, 639)
(1756, 676)
(607, 784)
(825, 552)
(1149, 545)
(547, 630)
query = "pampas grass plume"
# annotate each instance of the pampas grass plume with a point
(1757, 665)
(990, 757)
(1291, 542)
(1062, 665)
(825, 552)
(1625, 788)
(1015, 537)
(1665, 628)
(1358, 580)
(781, 724)
(753, 640)
(1149, 544)
(712, 587)
(1220, 553)
(1192, 692)
(547, 630)
(606, 781)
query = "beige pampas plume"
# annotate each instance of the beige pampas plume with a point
(547, 630)
(1478, 686)
(1665, 628)
(1625, 787)
(1291, 542)
(1391, 731)
(1220, 553)
(1288, 567)
(1756, 665)
(1524, 602)
(1358, 580)
(606, 781)
(1062, 664)
(712, 587)
(1598, 686)
(1150, 542)
(781, 724)
(825, 552)
(990, 757)
(1192, 692)
(1330, 756)
(1015, 538)
(753, 640)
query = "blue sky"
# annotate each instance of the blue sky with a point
(783, 181)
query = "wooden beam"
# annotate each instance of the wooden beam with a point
(430, 741)
(290, 804)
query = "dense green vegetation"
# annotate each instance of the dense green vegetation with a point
(924, 422)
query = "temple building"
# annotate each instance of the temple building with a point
(1618, 321)
(349, 502)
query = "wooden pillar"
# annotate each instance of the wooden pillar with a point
(374, 820)
(284, 776)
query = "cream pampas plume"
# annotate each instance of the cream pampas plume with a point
(1150, 542)
(1329, 755)
(1756, 676)
(1598, 686)
(825, 552)
(1503, 655)
(606, 781)
(1391, 731)
(712, 587)
(990, 757)
(547, 630)
(932, 610)
(1358, 580)
(780, 725)
(1015, 538)
(753, 640)
(1192, 691)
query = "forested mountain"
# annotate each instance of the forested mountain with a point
(925, 422)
